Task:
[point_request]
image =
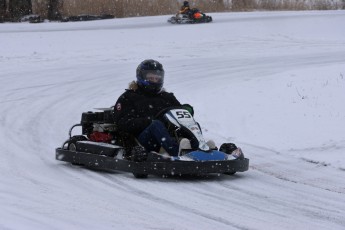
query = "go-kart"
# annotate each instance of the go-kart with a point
(193, 16)
(101, 145)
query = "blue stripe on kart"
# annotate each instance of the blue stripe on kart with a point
(213, 155)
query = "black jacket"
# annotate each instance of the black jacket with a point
(134, 110)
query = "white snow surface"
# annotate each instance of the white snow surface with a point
(271, 82)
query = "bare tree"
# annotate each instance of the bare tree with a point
(54, 10)
(243, 5)
(19, 8)
(2, 10)
(212, 5)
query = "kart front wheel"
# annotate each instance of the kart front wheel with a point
(227, 148)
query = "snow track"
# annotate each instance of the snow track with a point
(271, 82)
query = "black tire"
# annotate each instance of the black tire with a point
(138, 154)
(72, 142)
(227, 148)
(140, 175)
(73, 147)
(172, 20)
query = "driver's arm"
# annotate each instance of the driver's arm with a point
(126, 117)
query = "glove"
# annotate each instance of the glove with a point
(189, 108)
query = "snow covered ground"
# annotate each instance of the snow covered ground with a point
(272, 82)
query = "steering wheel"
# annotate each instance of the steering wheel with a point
(160, 114)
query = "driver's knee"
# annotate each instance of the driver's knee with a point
(157, 124)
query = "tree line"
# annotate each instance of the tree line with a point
(11, 10)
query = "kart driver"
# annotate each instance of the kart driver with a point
(191, 13)
(136, 108)
(185, 9)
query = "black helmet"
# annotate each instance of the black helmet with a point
(186, 3)
(150, 76)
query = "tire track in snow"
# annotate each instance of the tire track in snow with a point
(269, 161)
(178, 206)
(300, 168)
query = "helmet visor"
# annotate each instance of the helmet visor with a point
(154, 76)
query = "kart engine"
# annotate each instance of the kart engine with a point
(99, 126)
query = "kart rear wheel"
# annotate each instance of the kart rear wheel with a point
(72, 145)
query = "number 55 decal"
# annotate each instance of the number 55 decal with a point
(183, 114)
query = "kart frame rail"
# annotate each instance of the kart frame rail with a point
(152, 167)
